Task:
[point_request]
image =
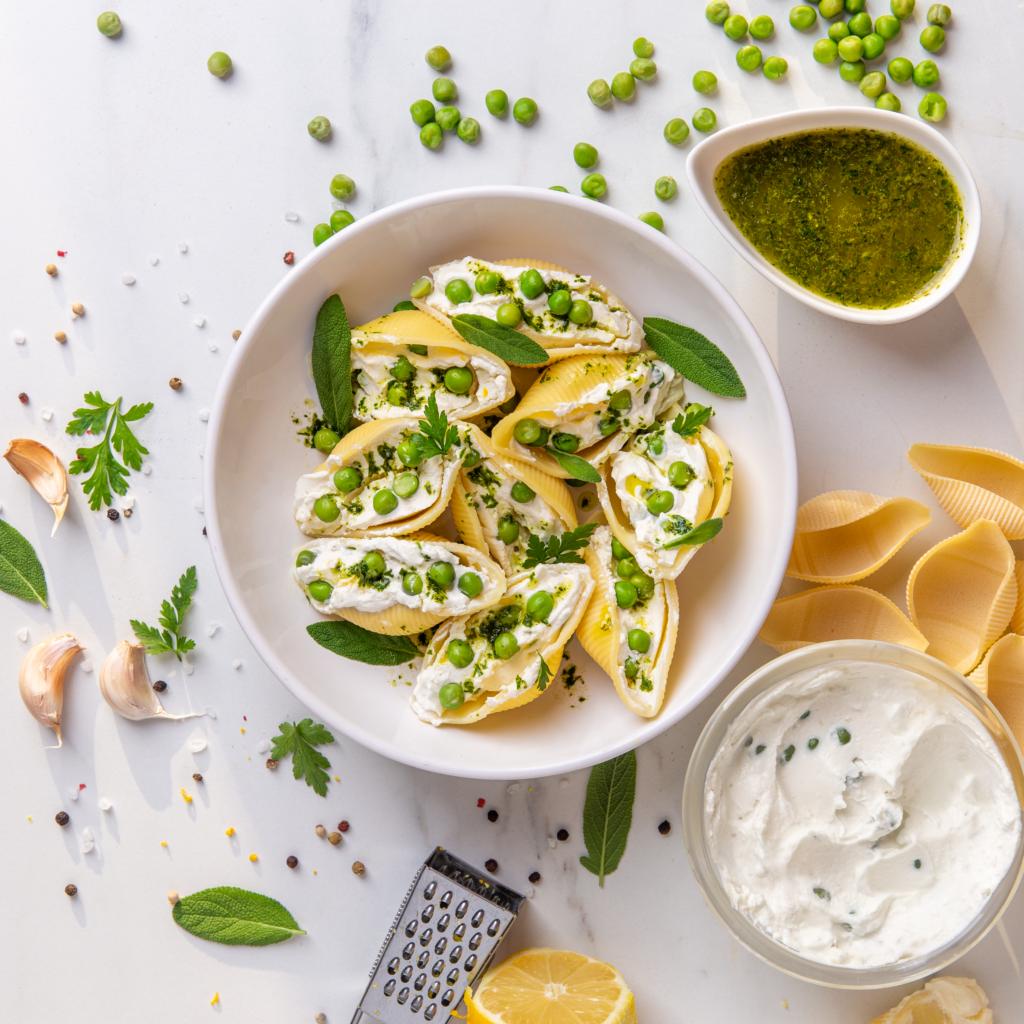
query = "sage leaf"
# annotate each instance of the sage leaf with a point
(351, 641)
(707, 530)
(688, 352)
(608, 814)
(21, 572)
(580, 468)
(332, 364)
(235, 917)
(504, 342)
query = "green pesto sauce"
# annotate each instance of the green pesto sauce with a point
(861, 217)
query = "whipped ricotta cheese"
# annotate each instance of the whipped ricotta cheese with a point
(860, 814)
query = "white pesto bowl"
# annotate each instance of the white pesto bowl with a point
(253, 459)
(706, 158)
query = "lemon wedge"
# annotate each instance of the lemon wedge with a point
(551, 986)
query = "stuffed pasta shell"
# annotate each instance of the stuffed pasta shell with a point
(500, 502)
(376, 483)
(396, 585)
(666, 481)
(492, 661)
(564, 312)
(630, 625)
(587, 406)
(399, 360)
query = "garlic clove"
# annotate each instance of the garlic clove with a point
(44, 472)
(125, 684)
(41, 679)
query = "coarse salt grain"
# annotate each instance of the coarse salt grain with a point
(291, 215)
(87, 666)
(236, 664)
(198, 504)
(73, 792)
(199, 321)
(213, 346)
(530, 892)
(212, 628)
(86, 840)
(104, 804)
(197, 746)
(183, 296)
(202, 450)
(563, 783)
(204, 414)
(18, 337)
(154, 260)
(210, 713)
(188, 669)
(47, 414)
(264, 746)
(128, 502)
(183, 247)
(23, 634)
(514, 788)
(147, 469)
(127, 279)
(552, 843)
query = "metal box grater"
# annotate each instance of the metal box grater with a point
(446, 933)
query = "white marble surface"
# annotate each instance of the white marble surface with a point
(116, 151)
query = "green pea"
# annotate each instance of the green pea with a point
(421, 288)
(903, 9)
(716, 12)
(639, 640)
(320, 590)
(471, 459)
(458, 291)
(422, 112)
(594, 185)
(631, 668)
(860, 24)
(900, 69)
(487, 282)
(705, 81)
(438, 58)
(643, 69)
(470, 584)
(873, 84)
(677, 131)
(653, 219)
(665, 188)
(321, 233)
(644, 584)
(385, 502)
(660, 501)
(442, 573)
(325, 439)
(938, 14)
(396, 395)
(735, 26)
(681, 474)
(838, 31)
(508, 314)
(342, 187)
(643, 47)
(888, 101)
(412, 584)
(508, 530)
(348, 479)
(468, 129)
(874, 46)
(855, 6)
(852, 71)
(403, 369)
(522, 493)
(926, 73)
(406, 484)
(451, 696)
(607, 426)
(933, 38)
(341, 219)
(460, 654)
(540, 605)
(851, 48)
(431, 135)
(506, 645)
(496, 102)
(509, 406)
(775, 67)
(656, 445)
(762, 27)
(565, 442)
(625, 594)
(830, 8)
(219, 64)
(888, 27)
(305, 558)
(580, 312)
(458, 380)
(825, 51)
(531, 284)
(320, 128)
(410, 454)
(448, 118)
(525, 110)
(932, 107)
(109, 24)
(619, 550)
(560, 302)
(704, 120)
(627, 567)
(584, 154)
(748, 57)
(374, 565)
(443, 90)
(600, 92)
(325, 508)
(623, 86)
(803, 17)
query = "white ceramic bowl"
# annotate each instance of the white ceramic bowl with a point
(705, 159)
(253, 459)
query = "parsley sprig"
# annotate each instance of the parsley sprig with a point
(435, 437)
(172, 613)
(299, 741)
(107, 419)
(696, 416)
(562, 548)
(544, 676)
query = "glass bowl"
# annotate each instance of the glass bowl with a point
(745, 931)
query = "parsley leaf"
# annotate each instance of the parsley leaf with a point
(299, 741)
(106, 473)
(544, 676)
(435, 437)
(696, 416)
(558, 548)
(172, 612)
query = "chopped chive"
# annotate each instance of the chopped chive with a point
(805, 714)
(788, 753)
(759, 749)
(843, 734)
(917, 863)
(812, 743)
(822, 894)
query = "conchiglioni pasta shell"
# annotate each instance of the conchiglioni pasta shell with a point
(1000, 677)
(398, 620)
(392, 332)
(599, 630)
(837, 611)
(1017, 620)
(843, 536)
(962, 594)
(973, 484)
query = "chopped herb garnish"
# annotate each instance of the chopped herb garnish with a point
(435, 437)
(787, 754)
(843, 735)
(812, 743)
(690, 424)
(172, 613)
(822, 894)
(561, 548)
(543, 676)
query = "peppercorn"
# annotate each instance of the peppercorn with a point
(159, 686)
(236, 335)
(61, 337)
(491, 865)
(292, 862)
(51, 269)
(77, 308)
(289, 257)
(665, 827)
(492, 815)
(175, 383)
(62, 818)
(342, 826)
(534, 877)
(334, 838)
(320, 1018)
(71, 889)
(275, 763)
(173, 897)
(23, 398)
(127, 513)
(358, 868)
(196, 777)
(562, 834)
(271, 763)
(113, 515)
(320, 831)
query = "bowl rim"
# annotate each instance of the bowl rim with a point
(757, 941)
(229, 381)
(708, 155)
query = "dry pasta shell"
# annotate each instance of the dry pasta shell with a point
(973, 484)
(837, 611)
(377, 346)
(843, 536)
(962, 594)
(603, 631)
(1017, 619)
(1001, 677)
